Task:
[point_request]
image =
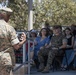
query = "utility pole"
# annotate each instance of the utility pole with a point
(30, 26)
(30, 15)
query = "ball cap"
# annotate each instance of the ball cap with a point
(33, 31)
(6, 9)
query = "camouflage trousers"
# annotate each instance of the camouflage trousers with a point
(4, 70)
(47, 52)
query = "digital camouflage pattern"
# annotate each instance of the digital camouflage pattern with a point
(56, 41)
(7, 39)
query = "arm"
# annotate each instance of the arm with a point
(35, 42)
(72, 42)
(47, 46)
(74, 45)
(13, 39)
(18, 45)
(64, 44)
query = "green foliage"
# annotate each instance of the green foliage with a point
(56, 12)
(19, 15)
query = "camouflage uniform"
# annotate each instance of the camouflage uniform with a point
(56, 41)
(7, 39)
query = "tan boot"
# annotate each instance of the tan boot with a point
(46, 69)
(41, 67)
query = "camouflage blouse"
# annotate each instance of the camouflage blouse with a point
(8, 38)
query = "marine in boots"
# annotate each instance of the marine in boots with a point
(58, 41)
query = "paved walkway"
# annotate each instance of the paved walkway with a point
(56, 73)
(70, 72)
(51, 73)
(21, 71)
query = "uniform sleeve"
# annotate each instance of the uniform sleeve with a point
(13, 36)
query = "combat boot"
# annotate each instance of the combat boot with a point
(41, 67)
(46, 69)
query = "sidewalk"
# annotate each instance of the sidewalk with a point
(56, 73)
(23, 70)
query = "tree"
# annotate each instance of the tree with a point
(20, 14)
(55, 12)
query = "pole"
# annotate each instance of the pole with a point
(30, 15)
(30, 26)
